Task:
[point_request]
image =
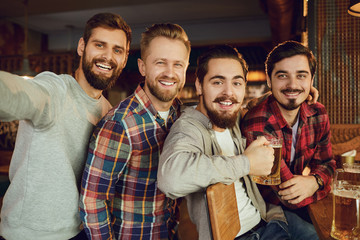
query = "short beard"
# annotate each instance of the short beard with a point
(222, 120)
(156, 92)
(97, 81)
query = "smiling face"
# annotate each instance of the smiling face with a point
(222, 92)
(164, 68)
(104, 57)
(290, 82)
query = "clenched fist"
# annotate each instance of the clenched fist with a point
(261, 157)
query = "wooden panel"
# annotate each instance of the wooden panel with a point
(223, 211)
(321, 214)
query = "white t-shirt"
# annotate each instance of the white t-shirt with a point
(249, 216)
(294, 137)
(164, 115)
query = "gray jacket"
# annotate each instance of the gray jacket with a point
(191, 161)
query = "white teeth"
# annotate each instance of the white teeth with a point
(167, 83)
(226, 103)
(107, 67)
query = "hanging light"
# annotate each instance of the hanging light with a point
(25, 71)
(354, 8)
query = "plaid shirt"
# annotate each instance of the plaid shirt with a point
(313, 147)
(119, 195)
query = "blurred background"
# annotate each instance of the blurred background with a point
(43, 35)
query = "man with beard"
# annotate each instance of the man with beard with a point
(307, 162)
(119, 195)
(57, 114)
(205, 147)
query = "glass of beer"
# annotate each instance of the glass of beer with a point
(346, 201)
(274, 177)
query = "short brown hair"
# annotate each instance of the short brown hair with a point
(289, 49)
(167, 30)
(221, 51)
(109, 21)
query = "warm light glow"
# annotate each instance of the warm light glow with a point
(256, 76)
(354, 8)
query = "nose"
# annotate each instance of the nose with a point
(292, 83)
(107, 53)
(169, 71)
(228, 89)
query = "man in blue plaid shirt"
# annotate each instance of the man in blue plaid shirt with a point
(119, 195)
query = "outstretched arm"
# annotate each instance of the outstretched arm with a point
(37, 100)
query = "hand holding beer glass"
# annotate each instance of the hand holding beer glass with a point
(274, 177)
(346, 201)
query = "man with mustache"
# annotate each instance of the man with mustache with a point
(205, 146)
(119, 195)
(57, 114)
(307, 162)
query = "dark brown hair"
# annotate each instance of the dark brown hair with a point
(109, 21)
(289, 49)
(222, 51)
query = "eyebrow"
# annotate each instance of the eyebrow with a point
(300, 71)
(222, 77)
(105, 43)
(167, 60)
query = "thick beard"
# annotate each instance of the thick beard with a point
(97, 81)
(220, 119)
(156, 92)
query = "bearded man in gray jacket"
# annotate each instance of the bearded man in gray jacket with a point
(205, 146)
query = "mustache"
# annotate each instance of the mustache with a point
(175, 79)
(290, 90)
(224, 98)
(103, 60)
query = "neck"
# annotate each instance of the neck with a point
(80, 78)
(289, 115)
(217, 129)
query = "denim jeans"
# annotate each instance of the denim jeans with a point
(274, 229)
(297, 229)
(300, 229)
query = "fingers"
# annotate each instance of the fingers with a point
(261, 140)
(313, 96)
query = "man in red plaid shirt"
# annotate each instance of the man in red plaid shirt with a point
(307, 163)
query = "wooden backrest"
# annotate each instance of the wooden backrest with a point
(223, 211)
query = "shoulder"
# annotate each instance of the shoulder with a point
(316, 110)
(51, 77)
(259, 110)
(54, 83)
(258, 114)
(319, 108)
(191, 121)
(122, 109)
(317, 115)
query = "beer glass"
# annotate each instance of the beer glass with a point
(346, 198)
(274, 177)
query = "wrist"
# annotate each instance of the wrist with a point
(319, 181)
